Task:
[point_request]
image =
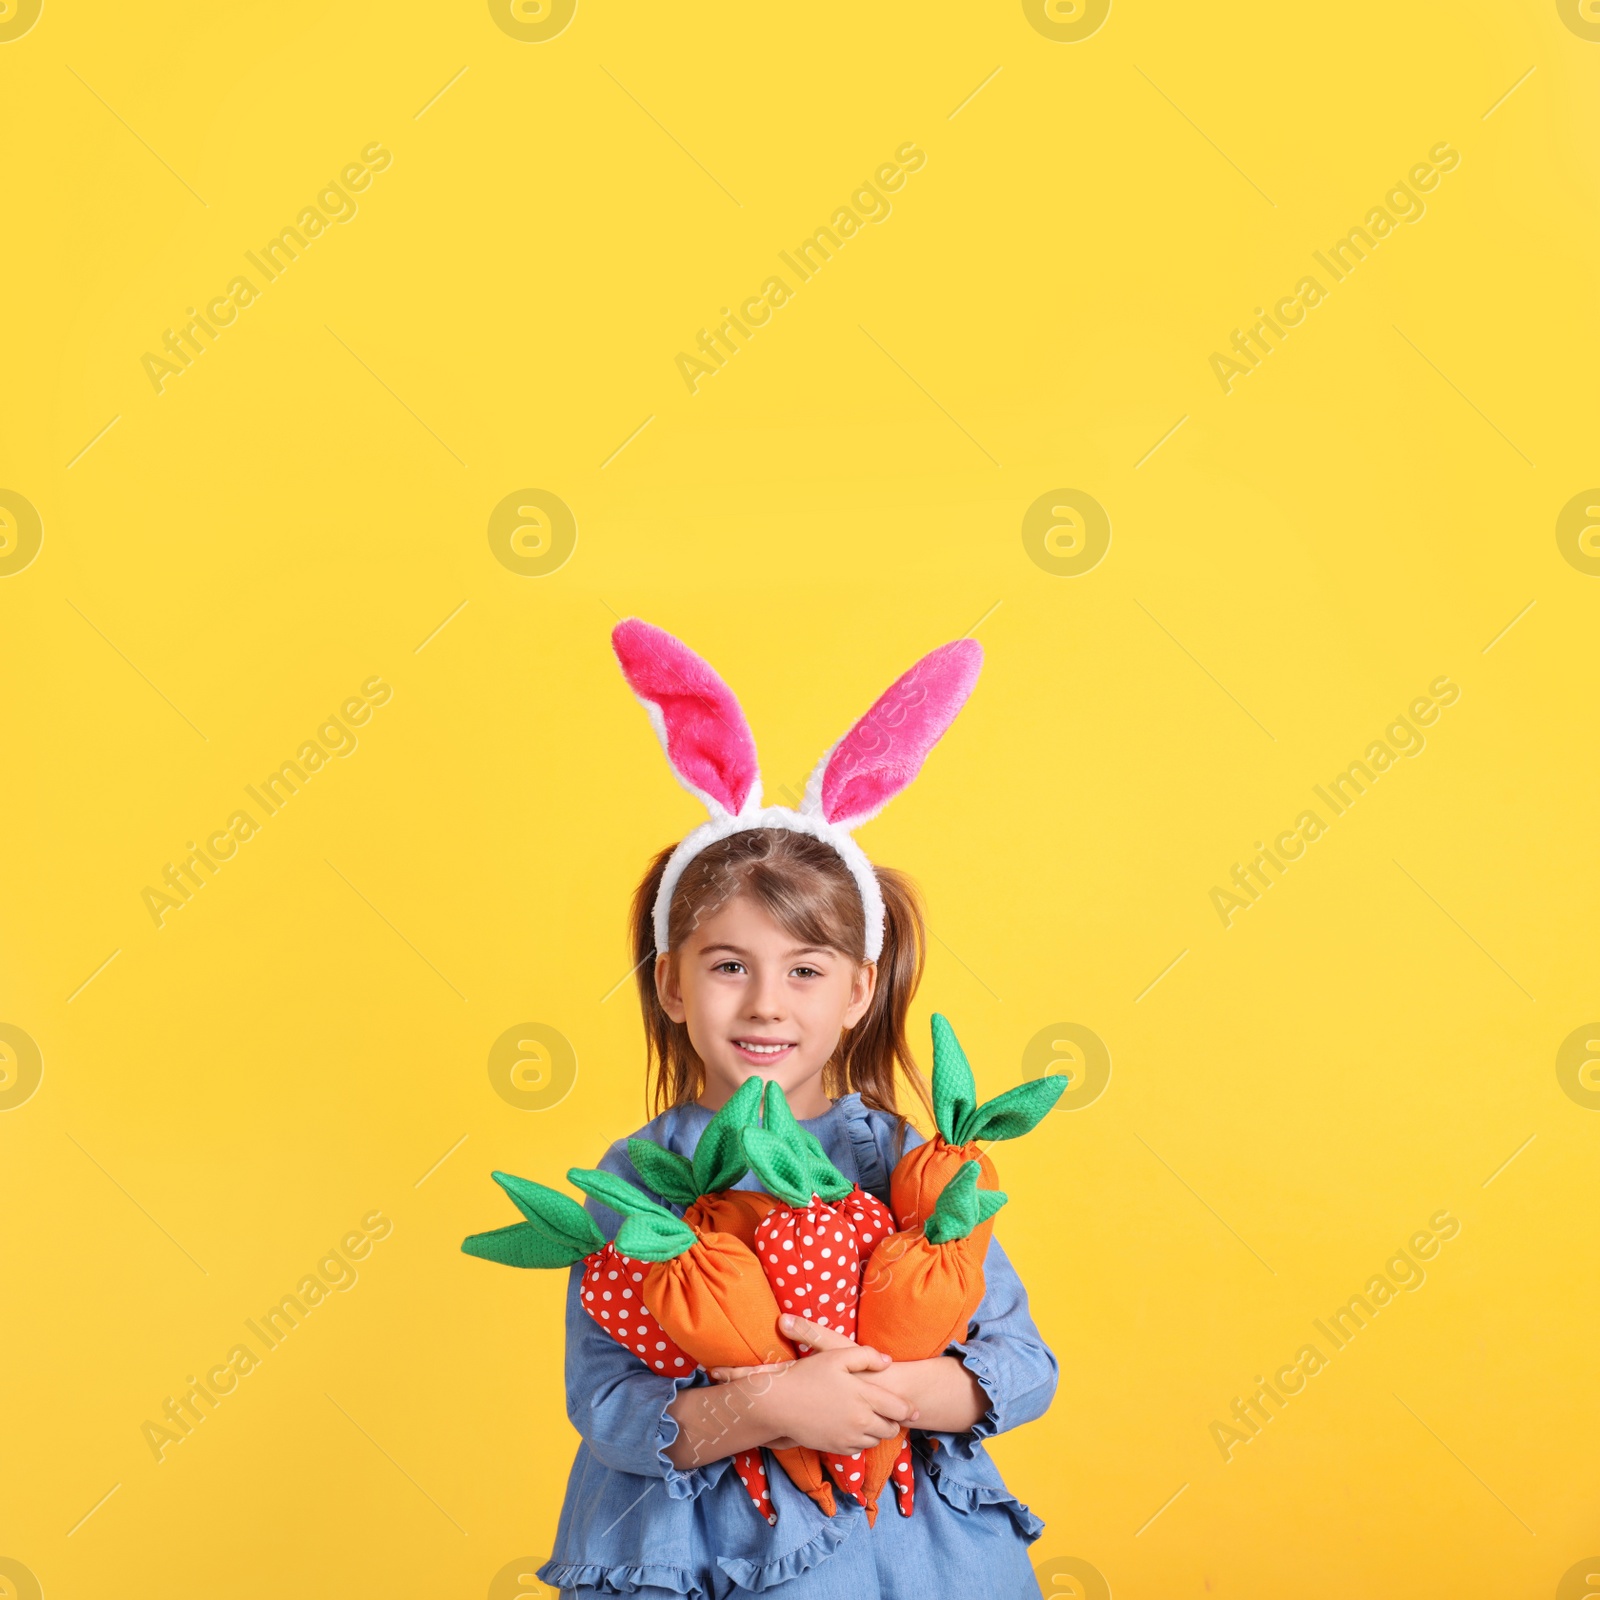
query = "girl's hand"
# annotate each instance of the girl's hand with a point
(829, 1402)
(812, 1334)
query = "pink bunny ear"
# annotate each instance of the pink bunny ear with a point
(695, 715)
(885, 750)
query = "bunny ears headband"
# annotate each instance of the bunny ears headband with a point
(709, 747)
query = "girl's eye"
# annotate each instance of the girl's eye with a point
(807, 972)
(729, 966)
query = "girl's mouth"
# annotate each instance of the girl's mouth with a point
(762, 1052)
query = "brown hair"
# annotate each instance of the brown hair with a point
(805, 887)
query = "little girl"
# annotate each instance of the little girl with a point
(768, 944)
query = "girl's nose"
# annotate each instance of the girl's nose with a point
(765, 997)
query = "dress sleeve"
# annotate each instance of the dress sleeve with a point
(613, 1399)
(1004, 1351)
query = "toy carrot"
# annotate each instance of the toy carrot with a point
(870, 1215)
(919, 1291)
(921, 1173)
(704, 1187)
(558, 1231)
(708, 1291)
(810, 1246)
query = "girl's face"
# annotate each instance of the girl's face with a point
(757, 1001)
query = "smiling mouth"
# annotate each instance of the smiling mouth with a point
(763, 1048)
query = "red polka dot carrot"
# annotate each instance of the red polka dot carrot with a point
(919, 1290)
(558, 1231)
(710, 1295)
(811, 1245)
(921, 1173)
(873, 1223)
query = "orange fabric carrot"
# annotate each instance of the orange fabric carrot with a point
(919, 1291)
(921, 1173)
(708, 1291)
(558, 1232)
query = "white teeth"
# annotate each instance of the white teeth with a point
(761, 1049)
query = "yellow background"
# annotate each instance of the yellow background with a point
(302, 508)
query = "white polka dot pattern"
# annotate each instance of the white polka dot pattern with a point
(612, 1294)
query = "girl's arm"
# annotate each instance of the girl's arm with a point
(622, 1408)
(1000, 1376)
(1006, 1355)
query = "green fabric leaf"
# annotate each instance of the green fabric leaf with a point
(780, 1164)
(1014, 1113)
(523, 1244)
(648, 1231)
(556, 1214)
(826, 1180)
(647, 1237)
(961, 1206)
(776, 1117)
(621, 1196)
(955, 1095)
(664, 1170)
(719, 1161)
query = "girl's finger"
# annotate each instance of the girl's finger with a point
(732, 1374)
(813, 1333)
(863, 1358)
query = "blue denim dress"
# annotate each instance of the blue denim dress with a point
(633, 1524)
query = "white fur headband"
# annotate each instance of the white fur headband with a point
(710, 749)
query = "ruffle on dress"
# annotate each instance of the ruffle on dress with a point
(962, 1495)
(621, 1580)
(756, 1576)
(966, 1446)
(873, 1175)
(683, 1485)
